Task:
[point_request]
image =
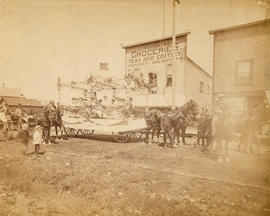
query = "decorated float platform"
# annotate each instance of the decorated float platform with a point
(121, 130)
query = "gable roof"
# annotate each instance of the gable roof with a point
(24, 101)
(10, 92)
(197, 66)
(154, 40)
(239, 26)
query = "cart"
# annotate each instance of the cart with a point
(121, 130)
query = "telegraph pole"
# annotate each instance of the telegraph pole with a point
(59, 89)
(173, 52)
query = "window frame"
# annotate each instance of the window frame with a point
(167, 78)
(154, 77)
(201, 85)
(244, 81)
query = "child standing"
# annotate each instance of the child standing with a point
(37, 137)
(24, 134)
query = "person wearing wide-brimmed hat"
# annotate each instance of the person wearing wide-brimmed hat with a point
(19, 113)
(29, 110)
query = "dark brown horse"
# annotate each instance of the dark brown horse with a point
(187, 115)
(153, 124)
(222, 127)
(178, 120)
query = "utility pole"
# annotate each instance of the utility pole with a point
(163, 26)
(173, 52)
(59, 89)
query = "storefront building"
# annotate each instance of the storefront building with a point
(153, 60)
(241, 69)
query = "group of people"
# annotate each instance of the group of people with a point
(224, 126)
(51, 116)
(105, 108)
(19, 117)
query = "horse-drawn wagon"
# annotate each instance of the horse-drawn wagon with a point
(121, 130)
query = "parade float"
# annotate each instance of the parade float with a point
(103, 106)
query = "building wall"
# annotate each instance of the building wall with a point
(156, 57)
(12, 108)
(194, 76)
(232, 46)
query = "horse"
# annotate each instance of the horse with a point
(223, 127)
(187, 114)
(58, 122)
(178, 120)
(46, 125)
(248, 127)
(153, 124)
(204, 130)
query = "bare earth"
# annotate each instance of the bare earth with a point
(93, 177)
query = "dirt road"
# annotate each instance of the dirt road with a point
(91, 177)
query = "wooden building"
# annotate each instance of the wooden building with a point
(241, 70)
(10, 92)
(153, 60)
(13, 102)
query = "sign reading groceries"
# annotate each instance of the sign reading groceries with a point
(154, 53)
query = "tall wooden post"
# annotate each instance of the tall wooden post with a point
(173, 54)
(59, 90)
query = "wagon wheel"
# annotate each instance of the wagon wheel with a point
(137, 134)
(71, 131)
(121, 137)
(87, 132)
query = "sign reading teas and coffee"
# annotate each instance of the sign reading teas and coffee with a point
(154, 53)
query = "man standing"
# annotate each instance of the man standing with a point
(19, 113)
(29, 110)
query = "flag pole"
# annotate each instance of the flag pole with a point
(173, 53)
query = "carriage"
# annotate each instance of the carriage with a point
(15, 124)
(121, 130)
(110, 123)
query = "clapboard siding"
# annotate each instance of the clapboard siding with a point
(194, 76)
(252, 42)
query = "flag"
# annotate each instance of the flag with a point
(104, 66)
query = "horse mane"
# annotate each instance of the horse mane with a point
(185, 108)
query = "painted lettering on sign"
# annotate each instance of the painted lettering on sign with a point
(154, 53)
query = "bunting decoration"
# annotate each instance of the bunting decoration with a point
(119, 88)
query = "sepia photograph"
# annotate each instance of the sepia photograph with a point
(134, 107)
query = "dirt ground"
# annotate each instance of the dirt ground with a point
(94, 177)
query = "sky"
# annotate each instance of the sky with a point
(43, 39)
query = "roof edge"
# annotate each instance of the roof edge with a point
(239, 26)
(196, 65)
(154, 40)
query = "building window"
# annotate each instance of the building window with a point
(169, 68)
(153, 83)
(243, 75)
(208, 89)
(169, 81)
(201, 86)
(136, 72)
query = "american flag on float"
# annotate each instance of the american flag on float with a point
(104, 66)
